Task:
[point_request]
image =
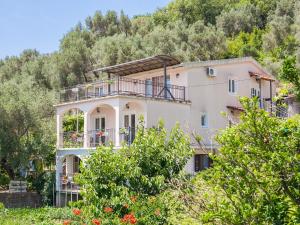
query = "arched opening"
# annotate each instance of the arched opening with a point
(102, 126)
(70, 167)
(72, 128)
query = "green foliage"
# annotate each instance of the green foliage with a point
(41, 216)
(138, 176)
(255, 177)
(290, 73)
(70, 122)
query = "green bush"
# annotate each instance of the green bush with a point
(4, 180)
(135, 179)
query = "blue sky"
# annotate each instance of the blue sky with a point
(40, 24)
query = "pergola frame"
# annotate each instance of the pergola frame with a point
(143, 65)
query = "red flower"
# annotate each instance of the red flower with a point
(100, 134)
(108, 209)
(76, 212)
(67, 222)
(96, 222)
(129, 218)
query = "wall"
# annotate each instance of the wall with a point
(210, 95)
(21, 200)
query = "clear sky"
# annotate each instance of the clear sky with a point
(40, 24)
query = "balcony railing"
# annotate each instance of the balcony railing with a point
(67, 182)
(72, 139)
(278, 109)
(123, 86)
(101, 137)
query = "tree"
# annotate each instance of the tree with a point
(205, 42)
(242, 19)
(255, 176)
(289, 72)
(26, 131)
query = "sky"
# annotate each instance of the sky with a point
(40, 24)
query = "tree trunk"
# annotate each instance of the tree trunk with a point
(7, 168)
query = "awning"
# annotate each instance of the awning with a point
(235, 108)
(260, 76)
(141, 65)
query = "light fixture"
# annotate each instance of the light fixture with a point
(98, 109)
(177, 75)
(127, 106)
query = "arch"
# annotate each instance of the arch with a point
(70, 164)
(101, 125)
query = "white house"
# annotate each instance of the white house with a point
(160, 87)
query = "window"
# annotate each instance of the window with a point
(232, 86)
(204, 121)
(254, 92)
(202, 162)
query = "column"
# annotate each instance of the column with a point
(58, 171)
(59, 131)
(86, 136)
(117, 127)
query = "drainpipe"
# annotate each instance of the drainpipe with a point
(165, 81)
(260, 102)
(271, 101)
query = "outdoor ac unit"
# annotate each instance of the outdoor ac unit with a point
(211, 72)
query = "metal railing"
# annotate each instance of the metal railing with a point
(127, 134)
(67, 182)
(277, 109)
(72, 139)
(123, 86)
(101, 137)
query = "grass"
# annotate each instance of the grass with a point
(39, 216)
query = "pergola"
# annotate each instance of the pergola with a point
(142, 65)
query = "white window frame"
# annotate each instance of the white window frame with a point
(206, 120)
(229, 86)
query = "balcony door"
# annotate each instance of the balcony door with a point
(100, 130)
(149, 88)
(158, 85)
(129, 125)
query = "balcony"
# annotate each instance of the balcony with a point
(97, 137)
(123, 86)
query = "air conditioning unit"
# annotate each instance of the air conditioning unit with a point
(211, 72)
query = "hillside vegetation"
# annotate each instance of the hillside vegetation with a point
(190, 30)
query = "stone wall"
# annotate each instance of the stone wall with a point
(21, 200)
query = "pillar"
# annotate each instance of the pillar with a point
(58, 171)
(117, 127)
(86, 135)
(59, 131)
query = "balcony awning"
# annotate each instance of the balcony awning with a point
(141, 65)
(236, 108)
(260, 76)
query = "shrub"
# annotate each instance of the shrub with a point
(136, 178)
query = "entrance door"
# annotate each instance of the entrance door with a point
(129, 125)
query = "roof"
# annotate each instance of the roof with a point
(141, 65)
(260, 76)
(228, 61)
(235, 108)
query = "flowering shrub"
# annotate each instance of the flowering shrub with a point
(130, 186)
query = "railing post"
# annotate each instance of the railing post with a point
(183, 93)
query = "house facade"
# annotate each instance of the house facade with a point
(160, 87)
